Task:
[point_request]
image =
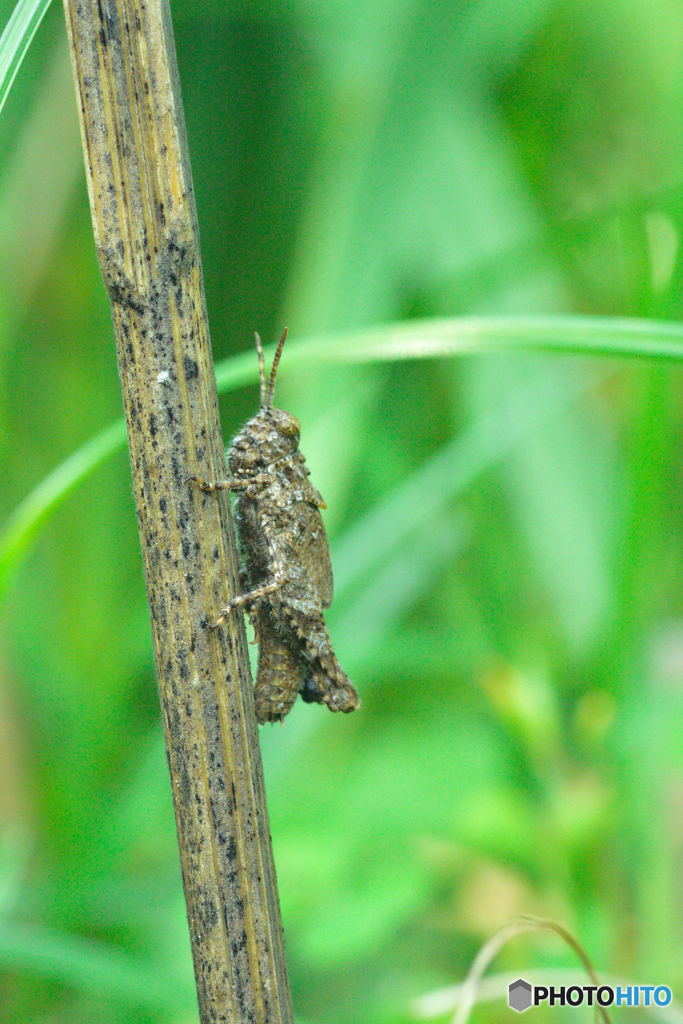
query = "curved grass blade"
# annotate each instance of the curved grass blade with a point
(25, 521)
(490, 949)
(16, 39)
(415, 339)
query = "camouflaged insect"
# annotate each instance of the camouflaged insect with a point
(286, 572)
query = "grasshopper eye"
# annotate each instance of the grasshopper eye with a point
(290, 428)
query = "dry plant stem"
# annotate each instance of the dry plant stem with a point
(145, 228)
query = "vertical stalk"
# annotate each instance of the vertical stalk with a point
(145, 227)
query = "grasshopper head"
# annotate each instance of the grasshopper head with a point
(272, 433)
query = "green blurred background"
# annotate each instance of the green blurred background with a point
(507, 531)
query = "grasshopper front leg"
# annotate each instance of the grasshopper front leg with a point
(228, 485)
(252, 596)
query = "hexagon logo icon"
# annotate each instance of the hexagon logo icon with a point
(519, 995)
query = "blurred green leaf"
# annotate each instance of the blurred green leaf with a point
(92, 966)
(446, 475)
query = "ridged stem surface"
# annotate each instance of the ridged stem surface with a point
(145, 228)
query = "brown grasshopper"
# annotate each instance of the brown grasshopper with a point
(285, 572)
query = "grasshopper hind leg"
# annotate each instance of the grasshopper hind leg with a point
(335, 690)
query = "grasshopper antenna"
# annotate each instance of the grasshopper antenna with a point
(273, 370)
(261, 369)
